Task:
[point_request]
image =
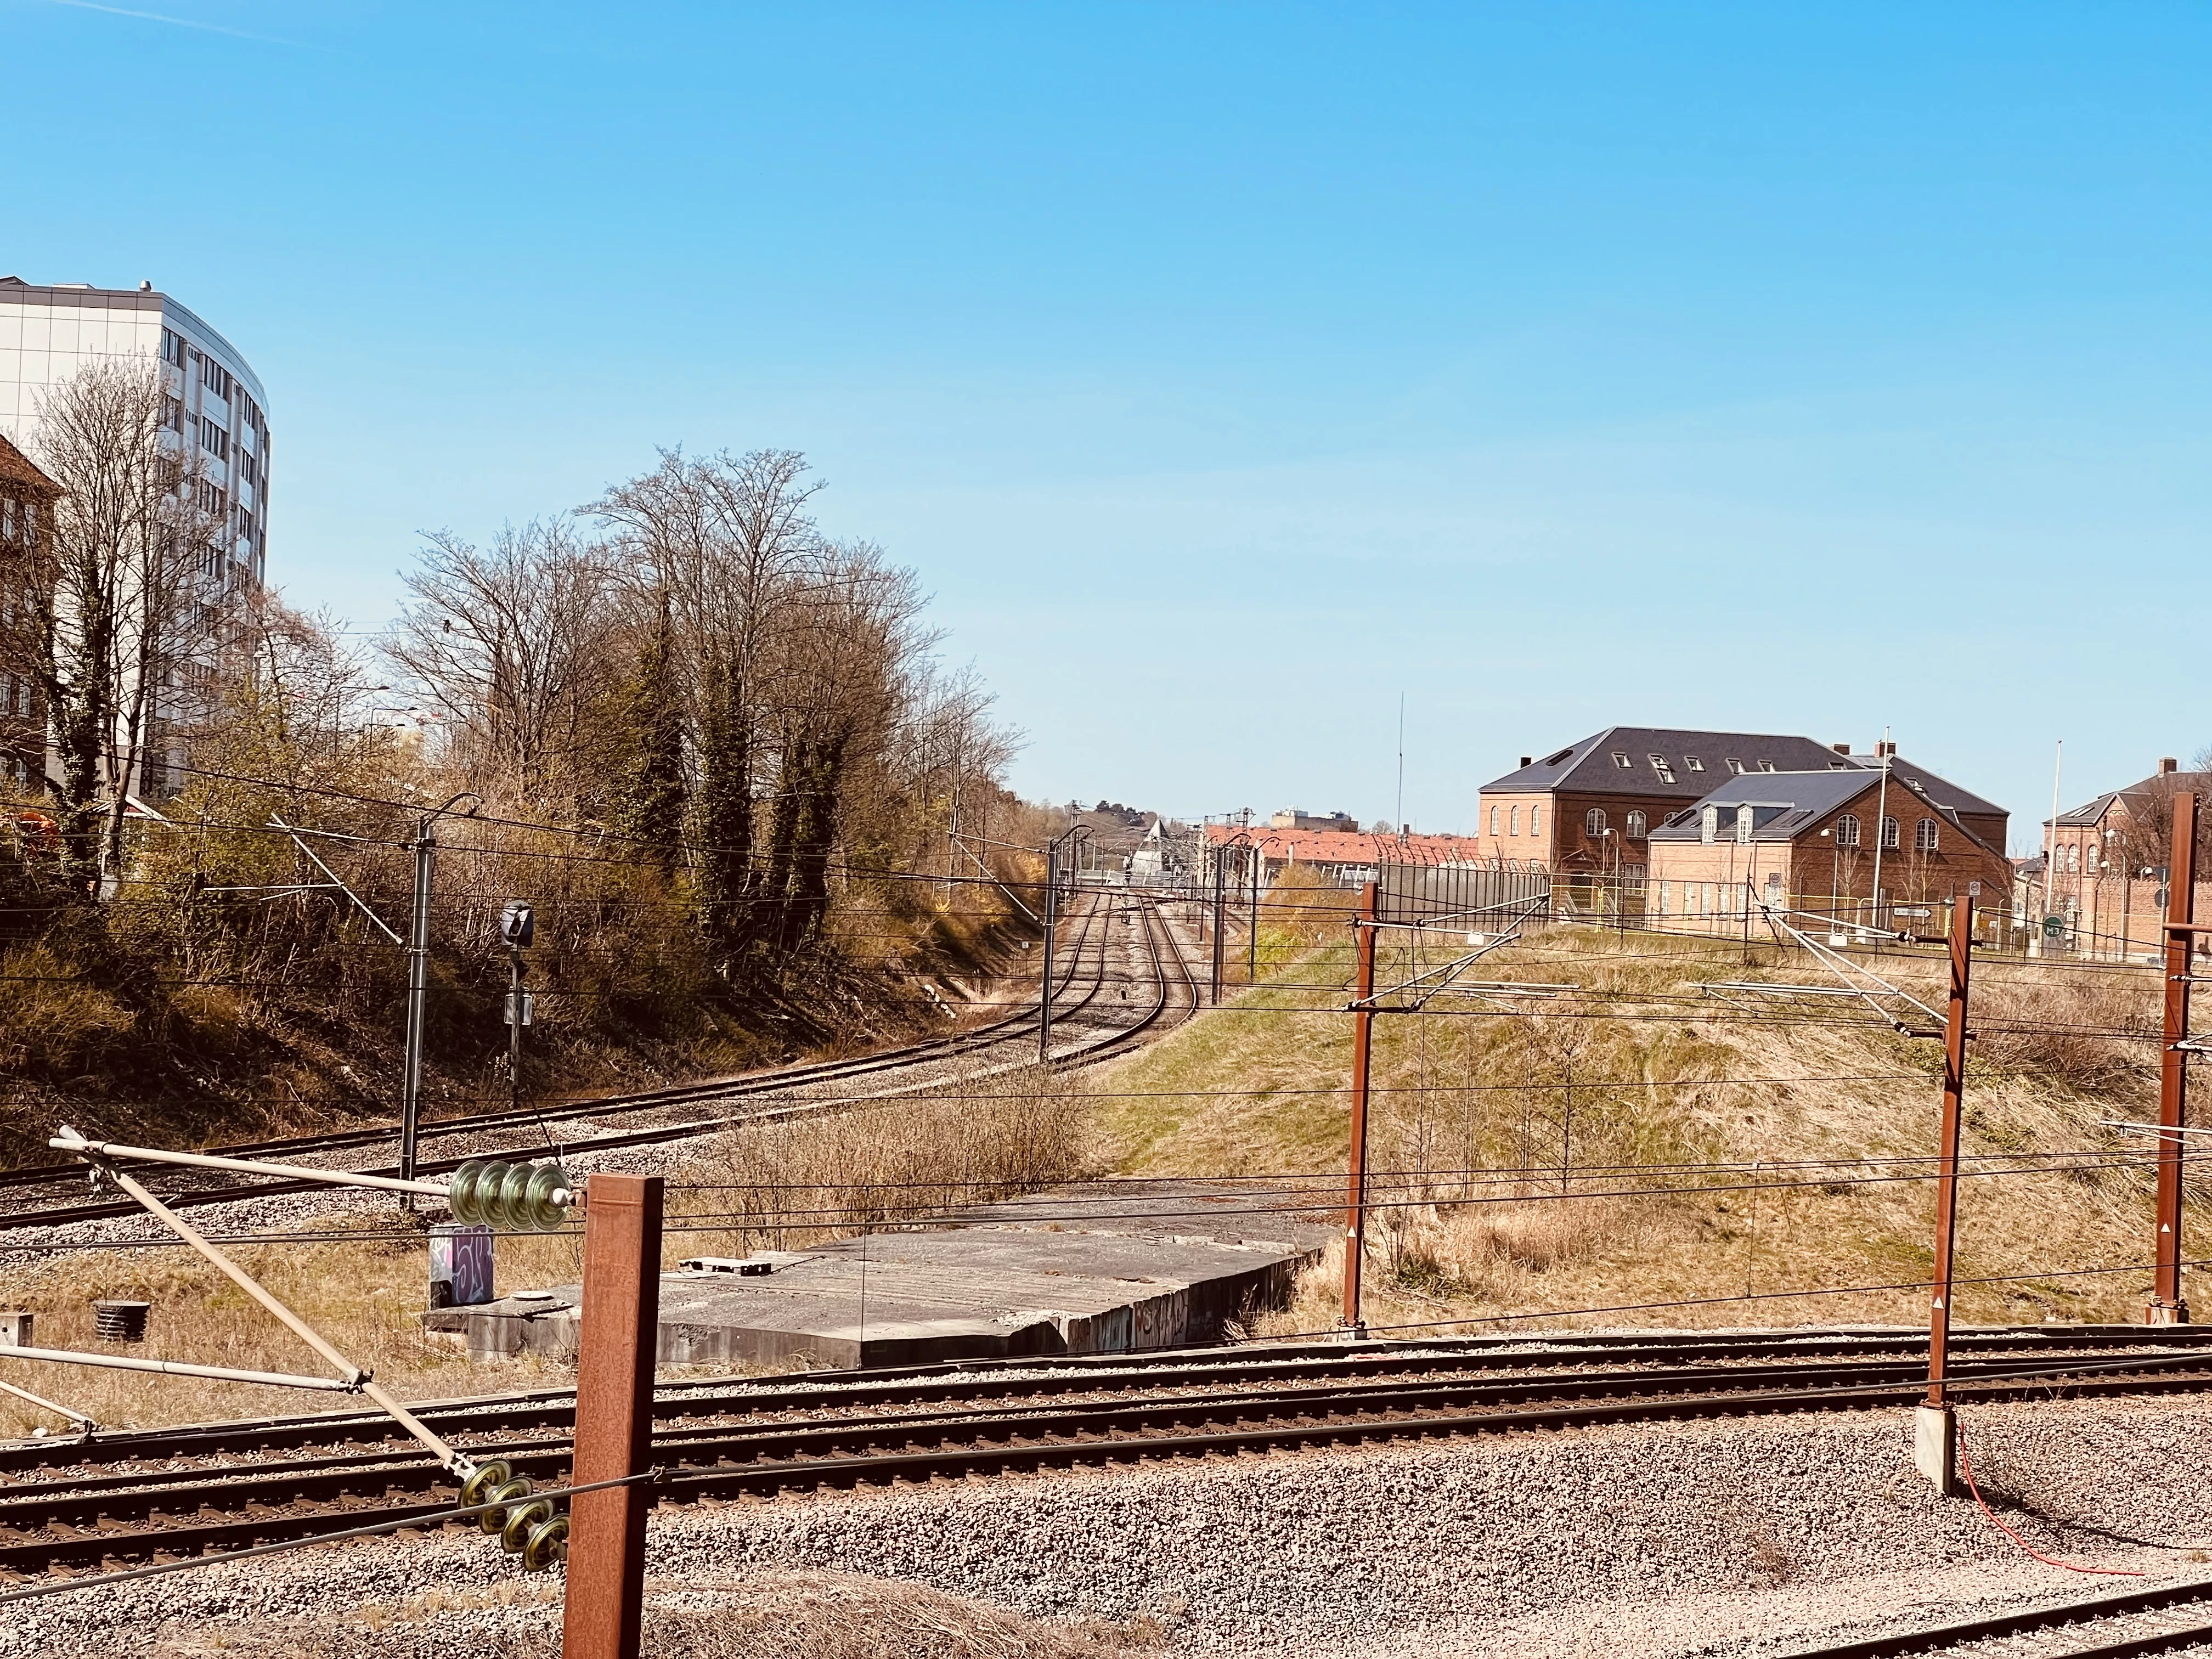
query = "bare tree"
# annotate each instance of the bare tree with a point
(125, 591)
(513, 645)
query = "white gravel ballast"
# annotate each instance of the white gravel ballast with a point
(1728, 1537)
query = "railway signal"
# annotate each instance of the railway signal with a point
(518, 928)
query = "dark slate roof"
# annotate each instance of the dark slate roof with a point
(2152, 785)
(1941, 791)
(1784, 804)
(1588, 767)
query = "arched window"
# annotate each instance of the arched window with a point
(1743, 823)
(1847, 829)
(1636, 824)
(1517, 820)
(2074, 861)
(1535, 820)
(1594, 823)
(1923, 836)
(1889, 832)
(1493, 820)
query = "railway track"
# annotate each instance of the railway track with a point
(137, 1497)
(1094, 1028)
(2120, 1625)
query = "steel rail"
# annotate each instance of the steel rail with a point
(644, 1100)
(86, 1524)
(2057, 1618)
(935, 1049)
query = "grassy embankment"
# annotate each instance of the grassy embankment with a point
(1513, 1153)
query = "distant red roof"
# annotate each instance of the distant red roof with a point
(1346, 847)
(16, 468)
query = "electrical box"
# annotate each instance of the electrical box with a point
(518, 926)
(521, 1008)
(460, 1267)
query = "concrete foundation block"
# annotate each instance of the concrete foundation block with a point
(15, 1330)
(1935, 1447)
(2167, 1313)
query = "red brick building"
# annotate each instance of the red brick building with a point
(1588, 809)
(1811, 842)
(27, 506)
(2110, 858)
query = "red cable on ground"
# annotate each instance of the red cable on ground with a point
(1968, 1469)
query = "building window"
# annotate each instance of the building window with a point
(2074, 861)
(1923, 836)
(1694, 762)
(1535, 820)
(1517, 820)
(1493, 820)
(1637, 823)
(1659, 764)
(1743, 826)
(1594, 823)
(1847, 829)
(1889, 833)
(2089, 857)
(1622, 760)
(1766, 766)
(1735, 765)
(1708, 827)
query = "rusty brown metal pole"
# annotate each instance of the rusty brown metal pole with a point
(1947, 1162)
(1363, 1044)
(614, 1416)
(2167, 1305)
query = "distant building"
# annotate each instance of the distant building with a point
(1811, 841)
(217, 415)
(1590, 808)
(47, 334)
(2108, 860)
(1292, 818)
(1348, 857)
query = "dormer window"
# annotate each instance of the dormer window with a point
(1694, 762)
(1766, 766)
(1735, 765)
(1622, 760)
(1659, 764)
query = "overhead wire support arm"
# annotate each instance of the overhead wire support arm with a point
(313, 858)
(1857, 980)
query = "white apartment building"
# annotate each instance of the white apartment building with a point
(218, 412)
(47, 334)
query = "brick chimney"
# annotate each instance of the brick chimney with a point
(1841, 748)
(1528, 760)
(2165, 764)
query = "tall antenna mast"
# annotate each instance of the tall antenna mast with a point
(1402, 763)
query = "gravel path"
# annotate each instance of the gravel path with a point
(1740, 1538)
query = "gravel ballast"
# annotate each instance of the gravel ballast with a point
(1730, 1537)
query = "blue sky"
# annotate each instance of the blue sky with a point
(1229, 370)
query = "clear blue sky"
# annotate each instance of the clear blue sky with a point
(1227, 370)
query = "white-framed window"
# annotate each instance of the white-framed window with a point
(1594, 823)
(1766, 766)
(1493, 820)
(1517, 820)
(1923, 836)
(1664, 768)
(1735, 765)
(1709, 825)
(1694, 762)
(1623, 761)
(2074, 861)
(1889, 833)
(1743, 826)
(1535, 820)
(1637, 825)
(1847, 829)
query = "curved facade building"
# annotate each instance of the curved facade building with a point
(46, 334)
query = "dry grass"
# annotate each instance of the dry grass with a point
(807, 1180)
(790, 1184)
(1523, 1165)
(785, 1615)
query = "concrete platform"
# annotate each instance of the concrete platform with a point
(1099, 1268)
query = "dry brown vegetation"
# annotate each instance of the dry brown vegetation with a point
(1530, 1164)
